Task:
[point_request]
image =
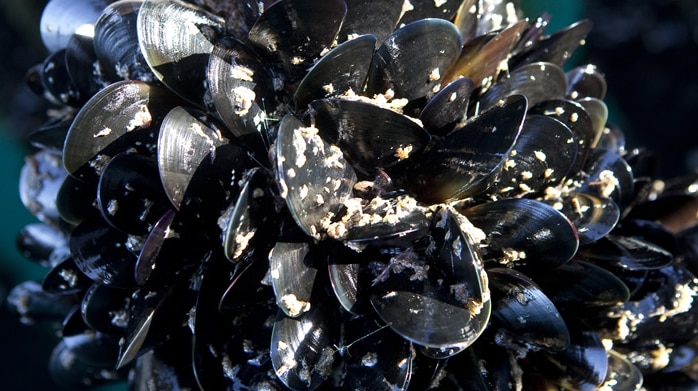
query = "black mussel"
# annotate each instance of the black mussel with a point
(526, 232)
(56, 80)
(63, 18)
(627, 252)
(293, 34)
(116, 43)
(413, 59)
(448, 107)
(65, 279)
(104, 254)
(349, 279)
(152, 370)
(585, 81)
(369, 17)
(594, 287)
(371, 137)
(436, 296)
(33, 304)
(42, 243)
(128, 112)
(130, 195)
(556, 48)
(51, 135)
(183, 142)
(541, 157)
(467, 160)
(622, 374)
(292, 277)
(576, 118)
(312, 174)
(176, 39)
(674, 211)
(480, 58)
(612, 139)
(85, 360)
(146, 263)
(538, 82)
(343, 68)
(303, 351)
(80, 61)
(598, 112)
(40, 179)
(75, 200)
(524, 313)
(594, 217)
(240, 88)
(105, 309)
(582, 366)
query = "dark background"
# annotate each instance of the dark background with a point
(647, 48)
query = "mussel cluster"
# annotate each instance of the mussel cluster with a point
(346, 194)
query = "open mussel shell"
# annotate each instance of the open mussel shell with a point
(369, 136)
(524, 313)
(467, 160)
(103, 253)
(369, 17)
(85, 360)
(176, 39)
(39, 182)
(480, 58)
(292, 277)
(294, 33)
(183, 142)
(63, 18)
(437, 297)
(586, 81)
(116, 43)
(538, 81)
(343, 68)
(556, 48)
(526, 232)
(412, 60)
(303, 348)
(313, 175)
(448, 107)
(240, 85)
(127, 111)
(542, 156)
(130, 195)
(594, 217)
(593, 287)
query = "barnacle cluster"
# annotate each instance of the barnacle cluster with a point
(346, 194)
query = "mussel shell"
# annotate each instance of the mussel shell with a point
(586, 81)
(370, 136)
(480, 58)
(65, 279)
(542, 156)
(413, 58)
(116, 43)
(447, 108)
(130, 195)
(627, 252)
(39, 182)
(622, 374)
(342, 68)
(292, 277)
(428, 9)
(524, 312)
(183, 142)
(63, 18)
(101, 253)
(556, 48)
(467, 160)
(32, 304)
(594, 217)
(294, 33)
(51, 135)
(85, 360)
(127, 111)
(105, 309)
(598, 112)
(538, 81)
(176, 39)
(56, 80)
(148, 257)
(438, 299)
(524, 231)
(370, 17)
(76, 200)
(80, 60)
(41, 243)
(312, 174)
